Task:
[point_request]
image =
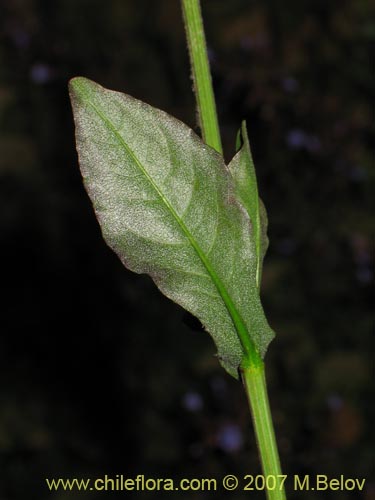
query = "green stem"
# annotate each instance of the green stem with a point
(201, 74)
(254, 381)
(252, 370)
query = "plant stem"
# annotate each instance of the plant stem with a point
(254, 381)
(201, 74)
(252, 369)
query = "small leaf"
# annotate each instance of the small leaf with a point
(246, 188)
(165, 204)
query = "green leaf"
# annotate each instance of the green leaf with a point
(246, 189)
(166, 206)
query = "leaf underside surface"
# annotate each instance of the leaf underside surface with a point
(246, 188)
(166, 205)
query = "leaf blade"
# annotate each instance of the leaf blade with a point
(243, 173)
(156, 207)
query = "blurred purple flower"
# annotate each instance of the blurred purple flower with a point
(192, 401)
(334, 402)
(289, 84)
(298, 139)
(230, 438)
(40, 73)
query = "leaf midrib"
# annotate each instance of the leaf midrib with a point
(238, 322)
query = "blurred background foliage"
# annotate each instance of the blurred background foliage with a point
(100, 374)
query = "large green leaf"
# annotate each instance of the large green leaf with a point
(246, 189)
(166, 206)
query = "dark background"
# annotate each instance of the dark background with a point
(100, 374)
